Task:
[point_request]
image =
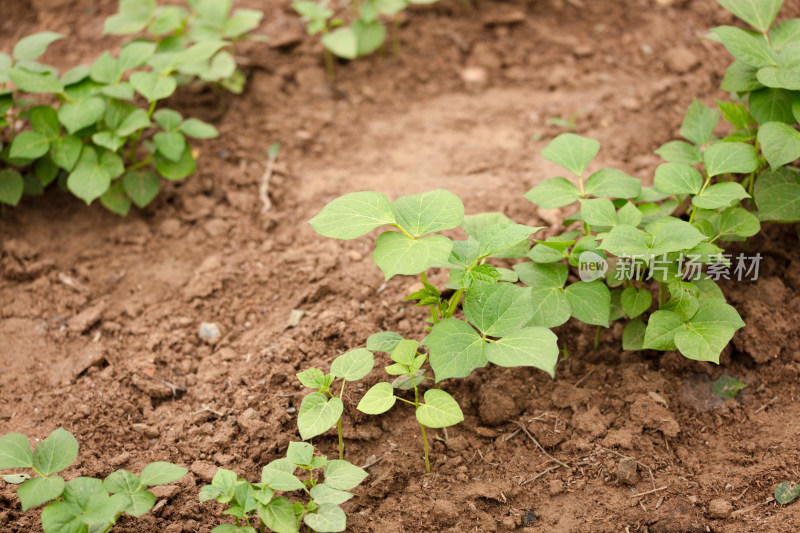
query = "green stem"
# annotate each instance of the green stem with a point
(580, 184)
(597, 338)
(395, 36)
(425, 443)
(451, 309)
(705, 186)
(339, 424)
(140, 164)
(329, 68)
(407, 401)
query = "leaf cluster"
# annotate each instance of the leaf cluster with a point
(83, 504)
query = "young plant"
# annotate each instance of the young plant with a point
(786, 492)
(174, 29)
(89, 139)
(439, 409)
(321, 410)
(83, 504)
(497, 322)
(257, 503)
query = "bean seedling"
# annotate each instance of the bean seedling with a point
(321, 410)
(83, 504)
(247, 501)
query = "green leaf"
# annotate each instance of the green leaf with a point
(727, 387)
(661, 330)
(612, 183)
(785, 34)
(378, 399)
(571, 152)
(353, 365)
(135, 121)
(439, 410)
(699, 123)
(590, 302)
(745, 45)
(678, 178)
(89, 180)
(531, 346)
(15, 451)
(90, 501)
(779, 142)
(318, 414)
(56, 452)
(115, 199)
(635, 302)
(108, 140)
(15, 479)
(133, 17)
(456, 349)
(741, 77)
(279, 480)
(65, 151)
(342, 42)
(105, 69)
(553, 193)
(138, 501)
(33, 46)
(77, 115)
(29, 145)
(730, 158)
(279, 515)
(428, 212)
(198, 129)
(120, 91)
(633, 335)
(598, 212)
(720, 195)
(758, 13)
(782, 78)
(322, 493)
(328, 518)
(736, 221)
(300, 453)
(498, 238)
(385, 341)
(680, 152)
(786, 492)
(405, 352)
(75, 75)
(121, 481)
(168, 119)
(777, 194)
(161, 473)
(241, 22)
(44, 121)
(11, 188)
(629, 214)
(175, 171)
(353, 215)
(313, 378)
(39, 490)
(540, 276)
(771, 105)
(135, 54)
(369, 36)
(706, 334)
(170, 144)
(341, 475)
(498, 309)
(33, 82)
(152, 86)
(397, 254)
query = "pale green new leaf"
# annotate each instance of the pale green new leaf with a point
(498, 309)
(612, 183)
(633, 335)
(15, 452)
(730, 158)
(378, 399)
(29, 145)
(720, 195)
(318, 414)
(777, 194)
(353, 215)
(758, 13)
(342, 42)
(661, 330)
(33, 46)
(161, 473)
(699, 123)
(439, 410)
(553, 193)
(590, 302)
(428, 212)
(396, 253)
(779, 142)
(571, 152)
(456, 349)
(531, 346)
(328, 518)
(746, 45)
(341, 475)
(78, 115)
(680, 152)
(635, 302)
(677, 178)
(353, 365)
(39, 490)
(598, 212)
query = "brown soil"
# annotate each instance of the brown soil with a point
(100, 314)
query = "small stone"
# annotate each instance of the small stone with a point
(719, 508)
(444, 512)
(583, 50)
(209, 332)
(458, 443)
(170, 227)
(475, 78)
(166, 492)
(216, 227)
(294, 318)
(556, 487)
(87, 318)
(505, 17)
(627, 471)
(681, 59)
(529, 518)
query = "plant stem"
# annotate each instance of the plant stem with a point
(329, 67)
(597, 338)
(395, 36)
(425, 444)
(694, 207)
(339, 423)
(454, 303)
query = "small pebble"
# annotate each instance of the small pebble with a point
(208, 331)
(627, 471)
(719, 508)
(294, 318)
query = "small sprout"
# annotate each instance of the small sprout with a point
(727, 387)
(786, 492)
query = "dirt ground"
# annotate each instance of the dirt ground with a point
(99, 314)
